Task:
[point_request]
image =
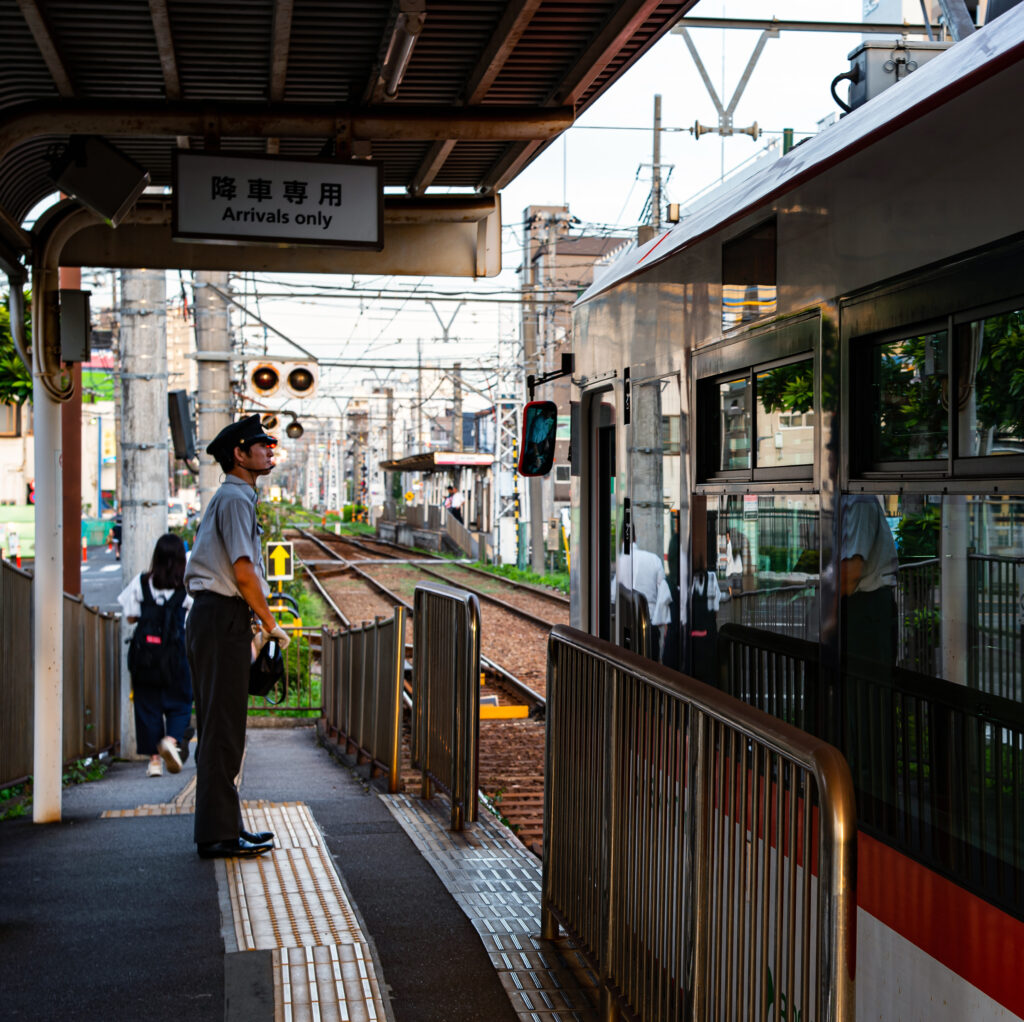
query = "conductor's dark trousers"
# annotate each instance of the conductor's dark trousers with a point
(218, 635)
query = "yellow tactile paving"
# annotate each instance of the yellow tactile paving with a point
(333, 984)
(291, 901)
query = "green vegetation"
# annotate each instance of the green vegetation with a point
(553, 580)
(15, 379)
(16, 800)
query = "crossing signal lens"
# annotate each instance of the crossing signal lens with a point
(294, 429)
(269, 422)
(300, 380)
(265, 379)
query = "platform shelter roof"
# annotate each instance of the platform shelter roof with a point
(487, 86)
(433, 461)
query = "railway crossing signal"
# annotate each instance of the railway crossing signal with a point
(280, 564)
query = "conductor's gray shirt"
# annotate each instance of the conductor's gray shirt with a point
(228, 530)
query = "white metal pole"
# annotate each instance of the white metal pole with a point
(47, 597)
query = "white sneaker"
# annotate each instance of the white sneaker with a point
(168, 749)
(155, 769)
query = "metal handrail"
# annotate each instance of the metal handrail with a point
(446, 694)
(362, 691)
(91, 678)
(701, 852)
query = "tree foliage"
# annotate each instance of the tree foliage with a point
(15, 379)
(788, 388)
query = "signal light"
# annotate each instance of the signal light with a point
(265, 379)
(294, 429)
(300, 381)
(269, 421)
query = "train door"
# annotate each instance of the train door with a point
(649, 553)
(600, 417)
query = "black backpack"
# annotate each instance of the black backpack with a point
(156, 652)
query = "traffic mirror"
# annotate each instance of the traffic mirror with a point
(537, 442)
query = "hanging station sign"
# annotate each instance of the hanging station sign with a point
(267, 198)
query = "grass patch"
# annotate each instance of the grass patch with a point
(16, 800)
(553, 580)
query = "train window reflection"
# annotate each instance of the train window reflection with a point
(909, 388)
(749, 267)
(931, 625)
(991, 388)
(785, 415)
(734, 425)
(649, 558)
(767, 557)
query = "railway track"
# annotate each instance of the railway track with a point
(360, 581)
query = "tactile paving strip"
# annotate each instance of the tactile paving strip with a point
(291, 901)
(497, 883)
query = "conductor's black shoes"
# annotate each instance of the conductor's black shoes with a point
(239, 848)
(261, 837)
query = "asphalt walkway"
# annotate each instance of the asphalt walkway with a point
(118, 917)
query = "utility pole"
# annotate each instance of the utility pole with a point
(457, 407)
(215, 407)
(419, 396)
(144, 436)
(656, 186)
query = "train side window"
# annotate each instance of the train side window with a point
(759, 425)
(909, 388)
(785, 415)
(749, 275)
(734, 424)
(942, 400)
(990, 368)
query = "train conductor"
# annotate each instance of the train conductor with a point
(225, 579)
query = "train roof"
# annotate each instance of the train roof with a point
(971, 61)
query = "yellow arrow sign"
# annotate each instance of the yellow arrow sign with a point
(279, 557)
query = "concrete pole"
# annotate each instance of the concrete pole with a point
(144, 439)
(215, 408)
(47, 601)
(71, 445)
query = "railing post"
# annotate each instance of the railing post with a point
(395, 722)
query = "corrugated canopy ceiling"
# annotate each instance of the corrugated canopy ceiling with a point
(205, 67)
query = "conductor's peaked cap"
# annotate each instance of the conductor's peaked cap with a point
(242, 433)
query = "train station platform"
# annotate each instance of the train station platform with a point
(368, 908)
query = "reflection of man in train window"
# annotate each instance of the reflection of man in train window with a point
(867, 580)
(644, 572)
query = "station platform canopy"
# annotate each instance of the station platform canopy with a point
(433, 461)
(453, 99)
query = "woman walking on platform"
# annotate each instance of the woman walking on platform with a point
(156, 603)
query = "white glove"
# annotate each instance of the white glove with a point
(283, 638)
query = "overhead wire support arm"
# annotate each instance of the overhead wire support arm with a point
(568, 366)
(284, 337)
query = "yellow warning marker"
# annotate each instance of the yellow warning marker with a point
(503, 712)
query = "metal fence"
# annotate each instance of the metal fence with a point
(446, 694)
(362, 690)
(91, 678)
(700, 851)
(996, 625)
(788, 610)
(938, 768)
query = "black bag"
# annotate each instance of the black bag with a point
(156, 651)
(267, 670)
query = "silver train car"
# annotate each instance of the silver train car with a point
(798, 474)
